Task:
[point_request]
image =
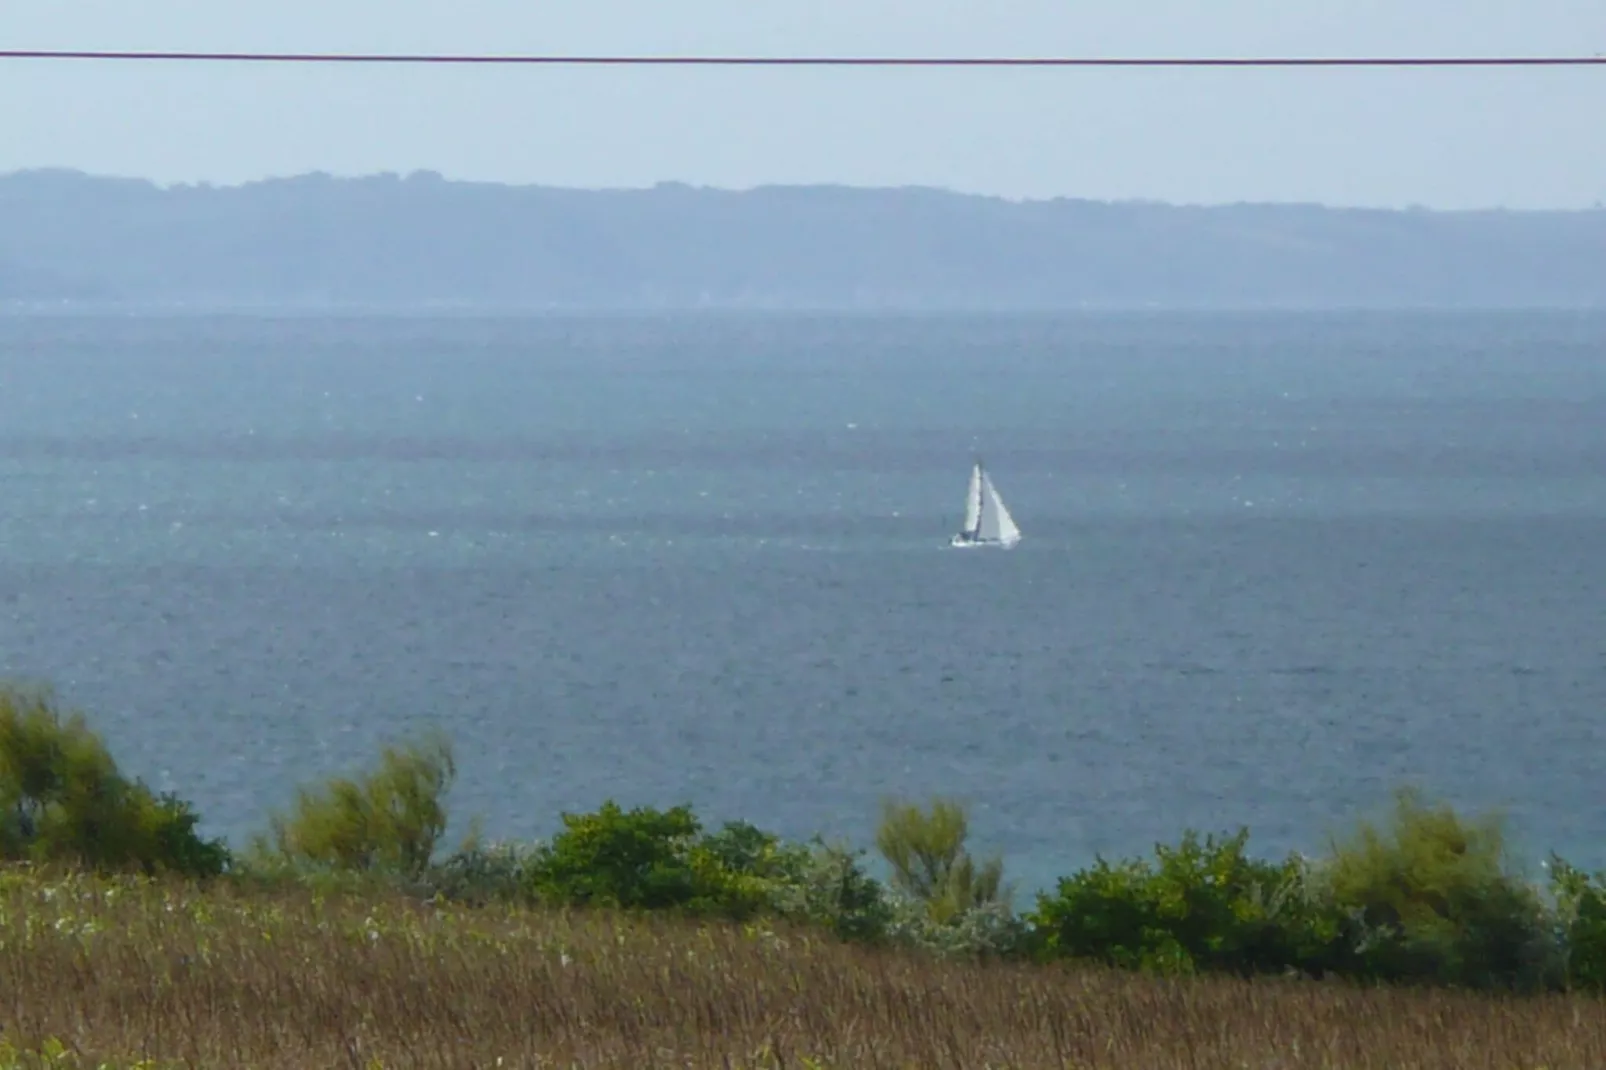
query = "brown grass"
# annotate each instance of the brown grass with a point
(234, 979)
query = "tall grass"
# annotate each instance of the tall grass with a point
(234, 976)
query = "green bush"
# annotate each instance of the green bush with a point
(644, 859)
(1580, 924)
(63, 800)
(1435, 901)
(745, 849)
(389, 821)
(1428, 898)
(1199, 906)
(648, 859)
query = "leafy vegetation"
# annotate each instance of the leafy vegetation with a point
(389, 820)
(926, 851)
(1423, 897)
(1433, 898)
(1200, 906)
(63, 800)
(643, 859)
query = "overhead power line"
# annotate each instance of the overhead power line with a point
(801, 61)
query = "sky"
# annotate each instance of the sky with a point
(1441, 138)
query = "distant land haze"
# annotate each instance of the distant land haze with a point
(317, 241)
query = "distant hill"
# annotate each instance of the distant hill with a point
(393, 241)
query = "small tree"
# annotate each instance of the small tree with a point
(63, 800)
(1437, 900)
(388, 820)
(929, 862)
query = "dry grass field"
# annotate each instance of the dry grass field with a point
(107, 973)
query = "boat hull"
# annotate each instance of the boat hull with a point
(959, 542)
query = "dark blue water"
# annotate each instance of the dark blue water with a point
(1274, 565)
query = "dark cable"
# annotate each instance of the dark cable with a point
(801, 61)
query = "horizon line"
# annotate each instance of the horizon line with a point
(796, 61)
(431, 175)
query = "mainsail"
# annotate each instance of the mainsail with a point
(996, 523)
(973, 504)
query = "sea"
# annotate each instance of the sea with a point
(1274, 566)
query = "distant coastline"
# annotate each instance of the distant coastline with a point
(422, 242)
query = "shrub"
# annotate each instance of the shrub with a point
(1434, 901)
(1200, 906)
(745, 849)
(830, 888)
(814, 883)
(930, 864)
(644, 859)
(648, 859)
(990, 930)
(63, 800)
(388, 821)
(478, 873)
(1580, 903)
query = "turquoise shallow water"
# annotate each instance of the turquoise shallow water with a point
(1274, 564)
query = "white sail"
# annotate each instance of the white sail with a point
(987, 520)
(973, 504)
(996, 523)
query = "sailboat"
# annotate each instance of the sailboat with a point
(987, 521)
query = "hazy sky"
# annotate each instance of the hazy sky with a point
(1442, 137)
